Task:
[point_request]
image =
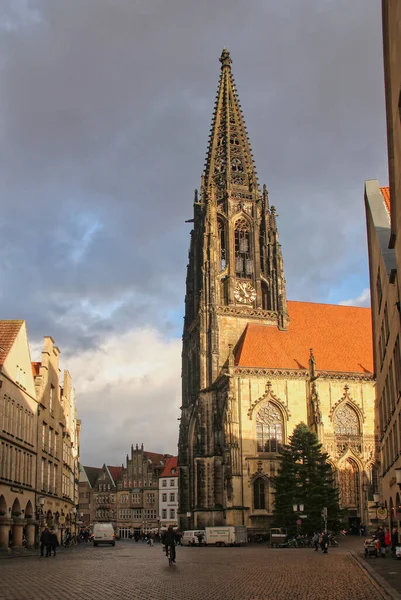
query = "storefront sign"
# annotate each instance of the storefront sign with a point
(382, 514)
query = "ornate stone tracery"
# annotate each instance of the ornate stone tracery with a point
(346, 421)
(269, 428)
(270, 397)
(349, 483)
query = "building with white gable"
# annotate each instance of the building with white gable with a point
(168, 494)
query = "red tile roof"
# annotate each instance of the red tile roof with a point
(171, 463)
(386, 196)
(36, 368)
(341, 338)
(8, 334)
(116, 473)
(156, 458)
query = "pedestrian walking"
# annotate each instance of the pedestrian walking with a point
(53, 542)
(315, 541)
(325, 542)
(381, 538)
(387, 538)
(394, 540)
(44, 541)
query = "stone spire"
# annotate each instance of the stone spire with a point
(229, 162)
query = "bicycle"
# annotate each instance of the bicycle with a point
(171, 561)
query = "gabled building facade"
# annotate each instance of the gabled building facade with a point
(87, 479)
(168, 493)
(18, 424)
(138, 492)
(255, 365)
(104, 494)
(57, 471)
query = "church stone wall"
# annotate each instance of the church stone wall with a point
(291, 394)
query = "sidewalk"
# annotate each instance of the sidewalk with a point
(385, 571)
(24, 552)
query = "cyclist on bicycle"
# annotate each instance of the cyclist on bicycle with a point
(169, 542)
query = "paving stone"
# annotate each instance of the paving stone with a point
(136, 571)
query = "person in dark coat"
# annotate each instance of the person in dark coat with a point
(381, 536)
(325, 542)
(394, 540)
(53, 542)
(169, 542)
(44, 541)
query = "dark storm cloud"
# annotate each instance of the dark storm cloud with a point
(105, 108)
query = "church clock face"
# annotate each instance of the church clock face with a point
(244, 292)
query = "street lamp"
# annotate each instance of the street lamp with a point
(376, 500)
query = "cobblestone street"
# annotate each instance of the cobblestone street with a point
(136, 571)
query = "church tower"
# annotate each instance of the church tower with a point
(234, 276)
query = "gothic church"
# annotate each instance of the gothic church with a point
(254, 365)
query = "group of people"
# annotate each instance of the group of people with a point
(48, 542)
(321, 540)
(383, 539)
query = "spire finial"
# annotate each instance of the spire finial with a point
(225, 58)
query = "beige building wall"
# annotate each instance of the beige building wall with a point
(289, 393)
(57, 490)
(18, 418)
(384, 241)
(386, 342)
(71, 440)
(391, 11)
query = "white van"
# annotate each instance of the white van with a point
(226, 536)
(190, 538)
(103, 533)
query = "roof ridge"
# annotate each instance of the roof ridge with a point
(327, 304)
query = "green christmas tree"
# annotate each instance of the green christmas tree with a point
(305, 477)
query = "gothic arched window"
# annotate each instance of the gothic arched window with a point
(222, 244)
(346, 421)
(269, 428)
(259, 499)
(266, 297)
(236, 165)
(243, 260)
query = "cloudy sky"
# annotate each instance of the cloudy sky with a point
(105, 109)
